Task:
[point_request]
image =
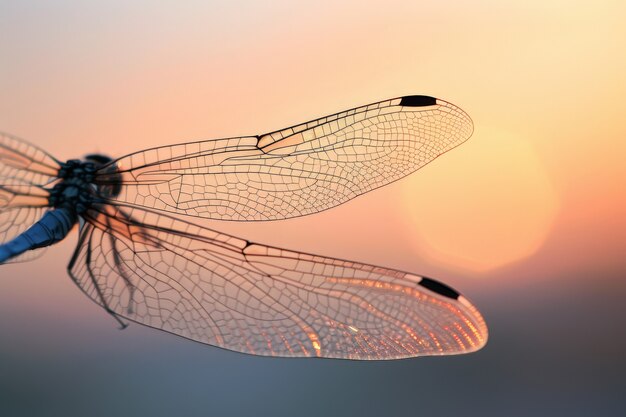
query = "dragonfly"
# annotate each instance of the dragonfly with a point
(144, 256)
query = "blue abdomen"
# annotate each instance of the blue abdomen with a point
(52, 228)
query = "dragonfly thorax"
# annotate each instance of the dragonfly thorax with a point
(76, 189)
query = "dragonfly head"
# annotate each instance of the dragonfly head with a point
(112, 186)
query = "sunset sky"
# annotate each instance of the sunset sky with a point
(527, 219)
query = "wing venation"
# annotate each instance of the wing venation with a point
(251, 298)
(24, 170)
(296, 171)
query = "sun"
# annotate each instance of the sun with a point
(481, 206)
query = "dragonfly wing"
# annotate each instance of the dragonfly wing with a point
(24, 169)
(224, 291)
(14, 221)
(25, 162)
(21, 205)
(295, 171)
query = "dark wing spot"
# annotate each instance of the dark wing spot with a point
(439, 288)
(418, 101)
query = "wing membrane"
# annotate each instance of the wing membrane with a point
(19, 160)
(224, 291)
(295, 171)
(14, 221)
(24, 170)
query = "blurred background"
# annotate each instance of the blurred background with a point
(527, 219)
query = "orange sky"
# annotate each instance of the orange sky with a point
(527, 219)
(544, 84)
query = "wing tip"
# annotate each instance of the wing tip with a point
(418, 101)
(439, 288)
(481, 330)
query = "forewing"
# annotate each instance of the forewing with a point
(24, 169)
(224, 291)
(295, 171)
(19, 160)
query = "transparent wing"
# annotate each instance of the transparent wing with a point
(19, 160)
(21, 205)
(295, 171)
(24, 170)
(224, 291)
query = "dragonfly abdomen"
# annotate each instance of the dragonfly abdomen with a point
(71, 196)
(52, 228)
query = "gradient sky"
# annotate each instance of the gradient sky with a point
(528, 218)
